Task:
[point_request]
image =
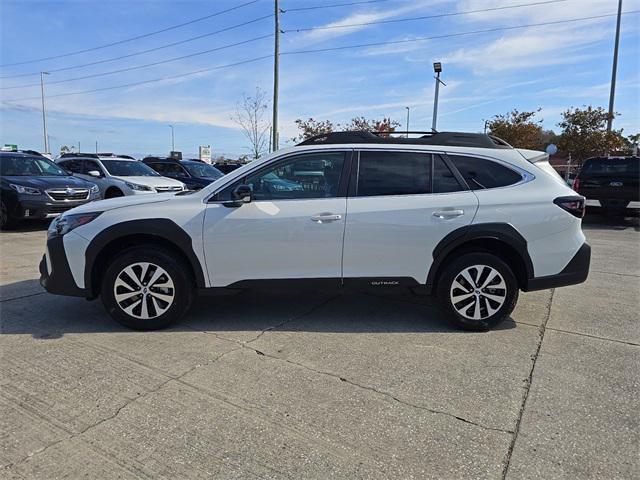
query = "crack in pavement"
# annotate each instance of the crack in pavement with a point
(541, 331)
(169, 379)
(594, 337)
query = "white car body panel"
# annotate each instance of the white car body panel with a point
(273, 240)
(394, 236)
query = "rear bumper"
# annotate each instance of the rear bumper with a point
(55, 275)
(575, 272)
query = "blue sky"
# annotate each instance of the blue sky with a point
(550, 67)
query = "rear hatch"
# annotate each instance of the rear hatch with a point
(610, 179)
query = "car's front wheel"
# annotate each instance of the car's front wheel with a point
(5, 219)
(478, 291)
(147, 288)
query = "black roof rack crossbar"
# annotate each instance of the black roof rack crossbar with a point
(451, 139)
(78, 155)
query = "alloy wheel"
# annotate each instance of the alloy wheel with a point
(144, 290)
(478, 292)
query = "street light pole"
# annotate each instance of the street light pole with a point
(407, 121)
(276, 79)
(614, 69)
(44, 115)
(437, 68)
(173, 143)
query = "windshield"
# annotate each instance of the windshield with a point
(29, 167)
(202, 170)
(128, 168)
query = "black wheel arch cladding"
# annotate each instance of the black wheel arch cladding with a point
(501, 232)
(163, 229)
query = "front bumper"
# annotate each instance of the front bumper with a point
(38, 209)
(575, 272)
(55, 274)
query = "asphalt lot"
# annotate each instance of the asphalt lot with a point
(319, 384)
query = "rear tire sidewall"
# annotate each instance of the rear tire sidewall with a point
(183, 285)
(452, 270)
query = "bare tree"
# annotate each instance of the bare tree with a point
(250, 116)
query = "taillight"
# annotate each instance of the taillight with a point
(574, 205)
(576, 184)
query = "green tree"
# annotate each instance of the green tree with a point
(520, 129)
(584, 134)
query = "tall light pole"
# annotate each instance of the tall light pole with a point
(276, 69)
(614, 69)
(437, 67)
(173, 143)
(407, 121)
(44, 114)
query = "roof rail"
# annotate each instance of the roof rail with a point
(78, 155)
(451, 139)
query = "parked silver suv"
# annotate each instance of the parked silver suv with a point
(118, 175)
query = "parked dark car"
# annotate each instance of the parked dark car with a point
(610, 182)
(227, 167)
(33, 187)
(195, 174)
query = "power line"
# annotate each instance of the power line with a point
(141, 52)
(424, 17)
(448, 35)
(137, 67)
(135, 84)
(344, 47)
(137, 37)
(317, 7)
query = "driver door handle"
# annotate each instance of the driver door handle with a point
(326, 217)
(448, 213)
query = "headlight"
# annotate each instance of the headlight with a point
(65, 223)
(95, 190)
(27, 190)
(141, 188)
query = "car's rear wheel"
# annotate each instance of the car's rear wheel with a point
(478, 291)
(147, 288)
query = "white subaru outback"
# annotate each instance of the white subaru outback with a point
(464, 216)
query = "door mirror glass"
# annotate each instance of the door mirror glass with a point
(94, 173)
(242, 193)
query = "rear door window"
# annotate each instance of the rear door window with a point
(480, 173)
(393, 173)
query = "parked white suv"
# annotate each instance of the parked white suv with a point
(464, 216)
(118, 175)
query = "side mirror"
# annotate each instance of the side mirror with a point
(94, 173)
(242, 193)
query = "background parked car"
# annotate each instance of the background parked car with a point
(227, 167)
(118, 175)
(610, 182)
(33, 187)
(195, 174)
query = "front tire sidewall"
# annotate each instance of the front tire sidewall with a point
(183, 286)
(451, 272)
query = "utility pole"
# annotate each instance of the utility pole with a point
(44, 115)
(96, 146)
(407, 121)
(173, 143)
(276, 68)
(614, 69)
(79, 147)
(437, 67)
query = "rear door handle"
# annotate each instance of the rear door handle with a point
(448, 213)
(326, 217)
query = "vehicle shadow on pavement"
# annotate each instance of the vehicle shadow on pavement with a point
(29, 226)
(249, 313)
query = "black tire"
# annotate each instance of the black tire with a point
(113, 193)
(5, 219)
(178, 273)
(447, 292)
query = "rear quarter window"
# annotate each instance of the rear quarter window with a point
(480, 173)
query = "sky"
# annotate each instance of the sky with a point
(490, 66)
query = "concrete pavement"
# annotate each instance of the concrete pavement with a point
(307, 384)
